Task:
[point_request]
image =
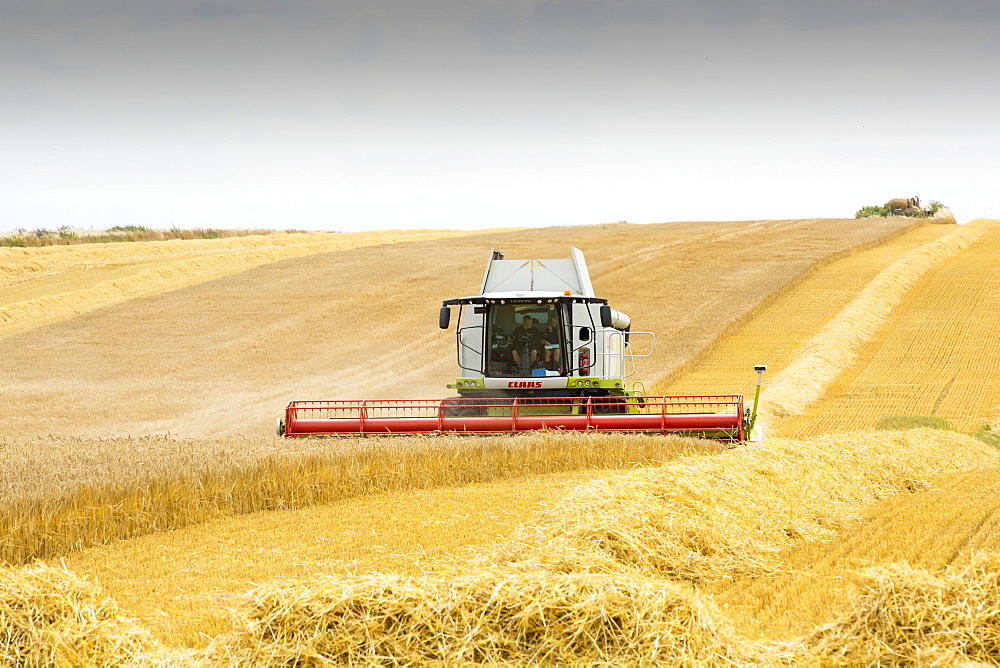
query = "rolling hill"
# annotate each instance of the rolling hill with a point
(223, 357)
(146, 418)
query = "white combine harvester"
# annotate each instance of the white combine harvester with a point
(537, 349)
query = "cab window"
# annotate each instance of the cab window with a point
(503, 321)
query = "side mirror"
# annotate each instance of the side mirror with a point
(585, 333)
(606, 320)
(444, 318)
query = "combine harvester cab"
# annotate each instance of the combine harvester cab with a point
(537, 349)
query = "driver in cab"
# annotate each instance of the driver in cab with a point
(526, 337)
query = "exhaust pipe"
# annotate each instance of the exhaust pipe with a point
(612, 318)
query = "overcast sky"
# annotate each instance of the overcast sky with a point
(467, 114)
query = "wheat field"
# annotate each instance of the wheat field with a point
(223, 358)
(909, 299)
(933, 357)
(173, 530)
(587, 565)
(781, 327)
(49, 283)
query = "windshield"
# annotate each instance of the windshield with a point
(525, 340)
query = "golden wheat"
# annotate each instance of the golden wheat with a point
(78, 500)
(516, 612)
(181, 583)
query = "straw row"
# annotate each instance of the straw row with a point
(902, 616)
(730, 515)
(586, 585)
(487, 617)
(836, 346)
(50, 617)
(937, 355)
(909, 616)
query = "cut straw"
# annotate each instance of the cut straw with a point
(835, 347)
(51, 617)
(909, 616)
(730, 515)
(486, 617)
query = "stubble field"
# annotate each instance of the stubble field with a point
(137, 454)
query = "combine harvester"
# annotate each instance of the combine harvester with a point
(536, 350)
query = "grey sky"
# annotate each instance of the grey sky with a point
(370, 115)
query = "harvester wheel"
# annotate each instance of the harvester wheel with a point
(608, 405)
(279, 426)
(459, 407)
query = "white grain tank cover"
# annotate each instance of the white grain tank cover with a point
(537, 275)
